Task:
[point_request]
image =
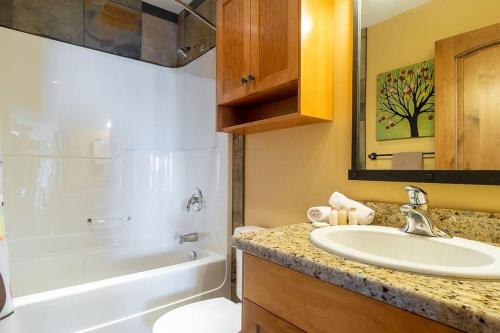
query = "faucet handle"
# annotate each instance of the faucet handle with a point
(416, 195)
(196, 200)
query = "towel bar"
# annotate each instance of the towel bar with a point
(374, 156)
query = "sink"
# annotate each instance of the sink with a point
(392, 248)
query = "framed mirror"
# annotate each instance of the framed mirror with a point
(426, 91)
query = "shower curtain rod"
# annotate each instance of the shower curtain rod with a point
(193, 11)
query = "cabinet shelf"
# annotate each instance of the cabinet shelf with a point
(254, 119)
(273, 123)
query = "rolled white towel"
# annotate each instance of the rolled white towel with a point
(320, 224)
(365, 214)
(319, 214)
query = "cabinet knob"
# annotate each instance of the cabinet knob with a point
(244, 80)
(251, 77)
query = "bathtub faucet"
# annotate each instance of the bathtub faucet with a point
(192, 237)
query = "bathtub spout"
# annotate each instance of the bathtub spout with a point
(192, 237)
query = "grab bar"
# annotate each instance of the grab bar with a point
(104, 220)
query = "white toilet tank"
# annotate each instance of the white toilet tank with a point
(239, 259)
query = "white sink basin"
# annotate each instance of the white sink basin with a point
(392, 248)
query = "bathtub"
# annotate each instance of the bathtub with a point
(131, 301)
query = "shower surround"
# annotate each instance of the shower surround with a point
(88, 135)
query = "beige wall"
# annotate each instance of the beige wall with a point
(289, 170)
(397, 43)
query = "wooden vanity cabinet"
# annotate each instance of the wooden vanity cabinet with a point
(273, 57)
(278, 299)
(259, 320)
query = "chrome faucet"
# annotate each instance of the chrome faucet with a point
(192, 237)
(418, 219)
(196, 200)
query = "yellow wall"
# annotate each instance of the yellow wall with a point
(289, 170)
(397, 42)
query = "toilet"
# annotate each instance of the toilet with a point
(216, 315)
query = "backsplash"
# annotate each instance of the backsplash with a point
(128, 28)
(479, 226)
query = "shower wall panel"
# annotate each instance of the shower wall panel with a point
(89, 135)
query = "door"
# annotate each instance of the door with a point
(468, 100)
(274, 43)
(259, 320)
(233, 49)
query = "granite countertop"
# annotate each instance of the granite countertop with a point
(468, 305)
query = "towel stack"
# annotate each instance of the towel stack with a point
(364, 214)
(320, 214)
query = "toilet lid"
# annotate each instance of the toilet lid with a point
(217, 315)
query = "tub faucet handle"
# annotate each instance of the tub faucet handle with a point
(197, 201)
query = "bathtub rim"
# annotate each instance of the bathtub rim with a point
(121, 279)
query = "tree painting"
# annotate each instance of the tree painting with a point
(405, 102)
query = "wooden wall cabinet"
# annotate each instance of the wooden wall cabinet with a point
(274, 64)
(278, 299)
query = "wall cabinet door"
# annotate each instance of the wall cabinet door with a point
(259, 320)
(233, 49)
(257, 46)
(274, 43)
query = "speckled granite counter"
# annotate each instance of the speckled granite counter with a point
(469, 305)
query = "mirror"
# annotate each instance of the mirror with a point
(427, 83)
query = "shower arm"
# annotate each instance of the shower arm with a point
(195, 13)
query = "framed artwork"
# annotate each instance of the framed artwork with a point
(406, 102)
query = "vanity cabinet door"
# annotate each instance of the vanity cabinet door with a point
(274, 43)
(275, 295)
(259, 320)
(233, 49)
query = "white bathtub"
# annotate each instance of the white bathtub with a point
(126, 303)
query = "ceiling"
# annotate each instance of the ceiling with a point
(376, 11)
(169, 5)
(372, 11)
